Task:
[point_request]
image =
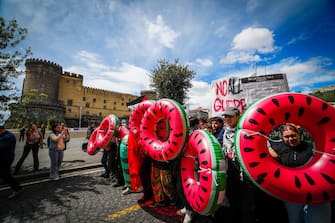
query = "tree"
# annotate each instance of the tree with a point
(171, 80)
(11, 58)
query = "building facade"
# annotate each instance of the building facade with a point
(61, 95)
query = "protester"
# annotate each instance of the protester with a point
(294, 152)
(239, 205)
(7, 154)
(22, 132)
(56, 150)
(34, 141)
(217, 128)
(107, 160)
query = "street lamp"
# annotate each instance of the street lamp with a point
(80, 116)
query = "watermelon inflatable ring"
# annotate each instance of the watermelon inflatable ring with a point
(137, 115)
(92, 148)
(174, 113)
(313, 182)
(205, 195)
(107, 129)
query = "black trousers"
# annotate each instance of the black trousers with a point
(5, 174)
(27, 147)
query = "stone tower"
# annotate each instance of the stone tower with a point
(43, 76)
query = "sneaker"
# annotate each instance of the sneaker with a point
(126, 191)
(15, 193)
(181, 212)
(188, 216)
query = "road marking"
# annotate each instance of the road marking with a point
(125, 211)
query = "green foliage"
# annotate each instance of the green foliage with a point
(11, 58)
(171, 80)
(328, 96)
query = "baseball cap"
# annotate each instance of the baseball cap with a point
(231, 111)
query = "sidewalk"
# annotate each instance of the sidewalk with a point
(74, 157)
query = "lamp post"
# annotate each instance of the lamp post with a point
(80, 116)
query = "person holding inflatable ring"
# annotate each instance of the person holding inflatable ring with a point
(294, 152)
(239, 205)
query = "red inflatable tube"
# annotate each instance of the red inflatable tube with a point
(313, 182)
(92, 148)
(137, 115)
(107, 130)
(122, 132)
(174, 113)
(207, 193)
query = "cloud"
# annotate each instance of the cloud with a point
(204, 62)
(125, 78)
(161, 32)
(248, 44)
(200, 94)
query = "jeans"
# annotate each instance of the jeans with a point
(311, 213)
(27, 147)
(56, 158)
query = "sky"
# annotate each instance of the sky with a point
(115, 44)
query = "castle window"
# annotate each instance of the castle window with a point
(114, 102)
(84, 98)
(69, 110)
(69, 102)
(100, 113)
(87, 105)
(105, 101)
(105, 106)
(114, 108)
(94, 100)
(122, 104)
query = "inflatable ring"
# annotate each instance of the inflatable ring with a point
(137, 115)
(206, 195)
(124, 160)
(173, 112)
(122, 132)
(107, 129)
(92, 148)
(313, 182)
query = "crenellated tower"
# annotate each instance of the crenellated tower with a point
(44, 76)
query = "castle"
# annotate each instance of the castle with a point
(61, 96)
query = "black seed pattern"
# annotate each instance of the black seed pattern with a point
(309, 179)
(261, 177)
(287, 116)
(301, 111)
(170, 150)
(309, 197)
(272, 121)
(188, 185)
(150, 142)
(253, 164)
(203, 189)
(275, 101)
(328, 178)
(201, 199)
(324, 106)
(332, 140)
(205, 178)
(332, 161)
(202, 151)
(260, 110)
(183, 169)
(277, 173)
(324, 120)
(263, 155)
(248, 149)
(309, 100)
(253, 121)
(297, 182)
(196, 135)
(205, 163)
(199, 141)
(325, 195)
(291, 99)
